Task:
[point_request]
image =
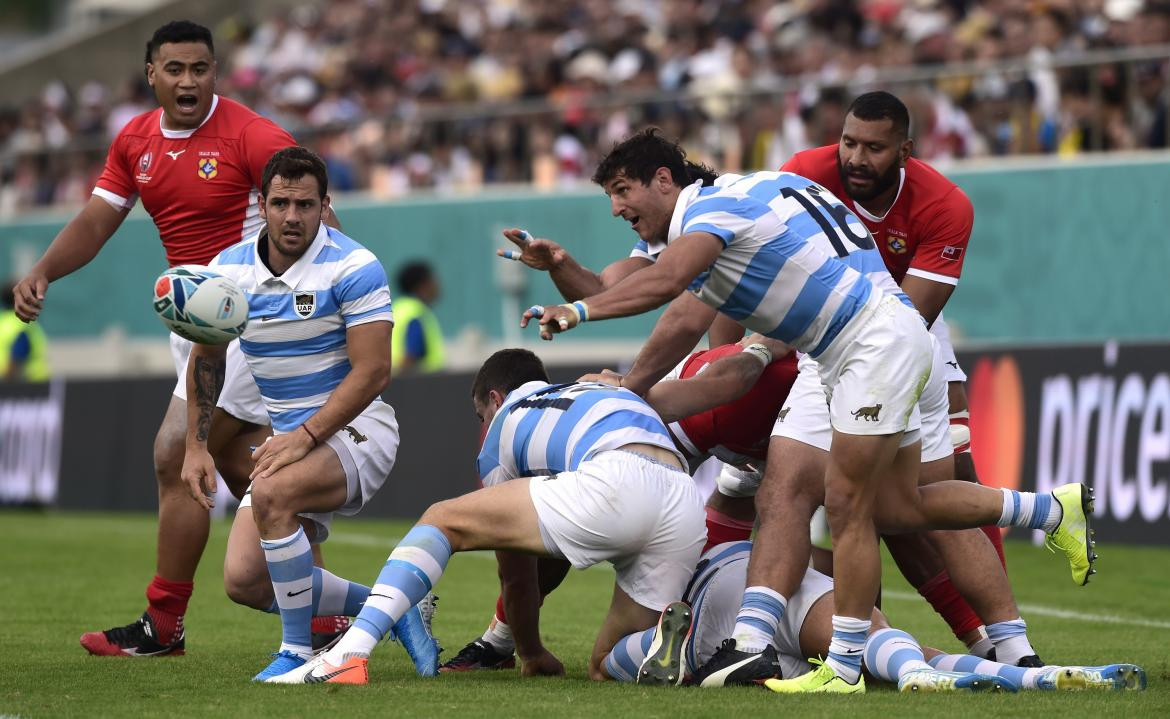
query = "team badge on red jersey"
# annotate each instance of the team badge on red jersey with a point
(896, 244)
(208, 167)
(305, 303)
(952, 253)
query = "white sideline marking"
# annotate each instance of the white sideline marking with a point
(1043, 611)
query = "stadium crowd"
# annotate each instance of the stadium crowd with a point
(454, 94)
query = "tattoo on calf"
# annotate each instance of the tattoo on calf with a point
(208, 383)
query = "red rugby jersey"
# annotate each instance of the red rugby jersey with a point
(738, 431)
(925, 231)
(199, 186)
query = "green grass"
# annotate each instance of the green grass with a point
(62, 574)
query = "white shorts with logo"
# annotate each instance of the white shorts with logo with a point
(716, 603)
(366, 448)
(805, 415)
(239, 397)
(644, 517)
(951, 369)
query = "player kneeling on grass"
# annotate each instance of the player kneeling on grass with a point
(690, 632)
(597, 478)
(318, 345)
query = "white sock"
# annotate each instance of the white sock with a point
(499, 635)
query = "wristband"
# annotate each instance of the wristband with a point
(582, 310)
(311, 435)
(760, 352)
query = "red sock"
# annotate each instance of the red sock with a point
(500, 616)
(996, 537)
(167, 604)
(722, 528)
(950, 605)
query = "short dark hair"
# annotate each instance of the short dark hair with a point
(881, 105)
(412, 275)
(293, 163)
(178, 31)
(640, 155)
(506, 370)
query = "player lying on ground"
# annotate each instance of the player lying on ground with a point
(318, 345)
(583, 472)
(689, 633)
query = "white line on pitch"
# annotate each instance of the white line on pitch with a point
(1041, 610)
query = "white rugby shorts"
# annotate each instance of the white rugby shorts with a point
(951, 369)
(366, 447)
(644, 517)
(716, 603)
(239, 397)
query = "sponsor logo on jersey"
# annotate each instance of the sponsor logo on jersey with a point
(952, 253)
(896, 245)
(304, 303)
(208, 168)
(174, 154)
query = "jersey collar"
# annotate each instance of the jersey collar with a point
(874, 218)
(183, 134)
(685, 198)
(294, 275)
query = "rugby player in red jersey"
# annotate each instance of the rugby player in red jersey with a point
(196, 163)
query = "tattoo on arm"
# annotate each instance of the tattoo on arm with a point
(208, 383)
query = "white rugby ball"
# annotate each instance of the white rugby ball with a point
(200, 304)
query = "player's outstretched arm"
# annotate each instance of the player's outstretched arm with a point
(206, 367)
(572, 279)
(723, 381)
(522, 599)
(72, 248)
(678, 331)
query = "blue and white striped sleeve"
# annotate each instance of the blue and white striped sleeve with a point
(362, 291)
(723, 215)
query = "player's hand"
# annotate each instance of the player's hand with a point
(544, 664)
(280, 451)
(29, 296)
(199, 476)
(552, 319)
(539, 254)
(605, 376)
(776, 347)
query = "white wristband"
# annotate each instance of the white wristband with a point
(760, 352)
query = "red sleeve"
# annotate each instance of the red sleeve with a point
(940, 253)
(116, 183)
(262, 138)
(793, 165)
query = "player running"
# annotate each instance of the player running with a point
(689, 635)
(597, 478)
(318, 346)
(195, 162)
(770, 250)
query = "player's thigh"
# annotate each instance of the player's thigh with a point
(857, 463)
(498, 517)
(625, 617)
(316, 483)
(794, 478)
(170, 442)
(957, 396)
(898, 505)
(234, 459)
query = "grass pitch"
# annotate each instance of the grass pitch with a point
(65, 573)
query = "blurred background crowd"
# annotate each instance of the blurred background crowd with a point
(452, 95)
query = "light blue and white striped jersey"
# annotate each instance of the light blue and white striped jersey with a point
(797, 264)
(543, 429)
(295, 339)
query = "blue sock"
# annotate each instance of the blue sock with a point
(290, 566)
(412, 569)
(846, 647)
(978, 665)
(890, 653)
(627, 655)
(758, 619)
(333, 595)
(1029, 509)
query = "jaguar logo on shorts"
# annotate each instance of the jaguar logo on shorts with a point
(869, 414)
(783, 413)
(355, 435)
(304, 303)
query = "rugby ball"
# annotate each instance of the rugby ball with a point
(200, 305)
